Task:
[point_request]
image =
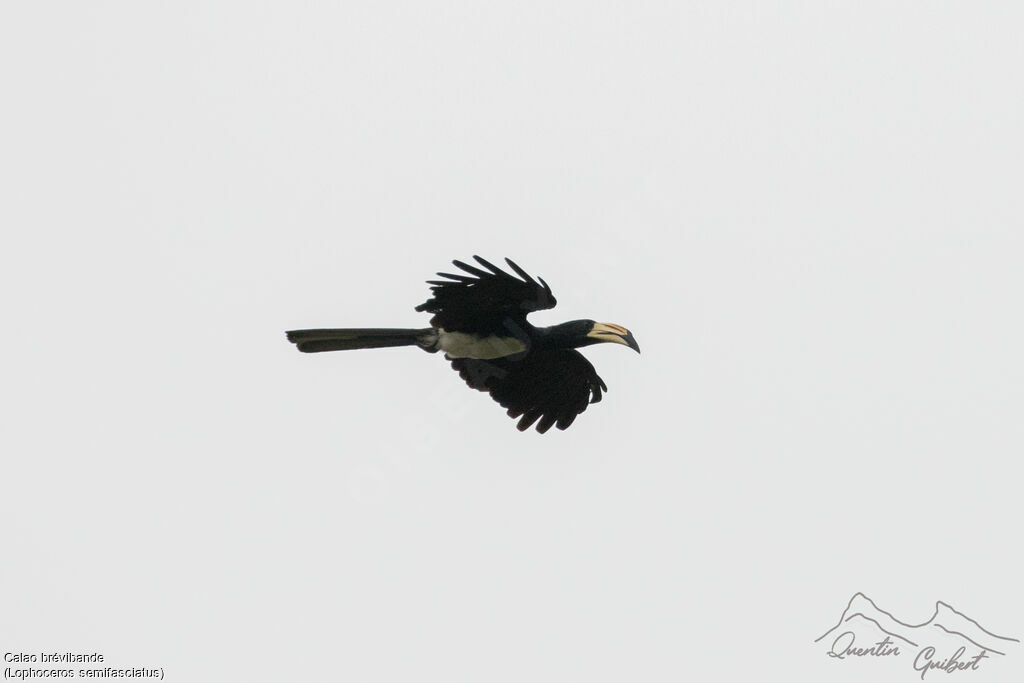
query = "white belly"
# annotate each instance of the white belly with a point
(463, 345)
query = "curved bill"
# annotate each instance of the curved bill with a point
(610, 332)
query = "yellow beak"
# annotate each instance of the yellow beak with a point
(609, 332)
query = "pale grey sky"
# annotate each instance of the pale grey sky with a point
(809, 214)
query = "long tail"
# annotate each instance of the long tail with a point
(314, 341)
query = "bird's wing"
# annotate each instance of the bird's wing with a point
(551, 386)
(487, 302)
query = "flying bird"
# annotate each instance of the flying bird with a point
(479, 322)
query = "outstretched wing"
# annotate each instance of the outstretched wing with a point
(488, 302)
(551, 386)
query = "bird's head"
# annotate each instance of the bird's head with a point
(577, 333)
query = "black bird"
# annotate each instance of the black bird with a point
(480, 324)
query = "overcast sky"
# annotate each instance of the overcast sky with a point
(808, 213)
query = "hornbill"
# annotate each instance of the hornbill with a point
(480, 324)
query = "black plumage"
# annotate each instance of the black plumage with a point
(479, 322)
(550, 387)
(488, 303)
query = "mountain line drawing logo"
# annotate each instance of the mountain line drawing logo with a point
(950, 641)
